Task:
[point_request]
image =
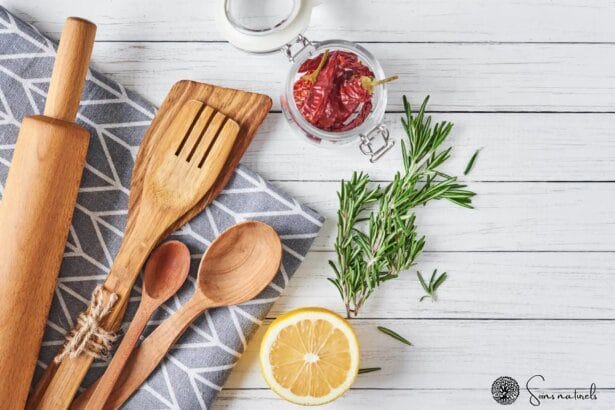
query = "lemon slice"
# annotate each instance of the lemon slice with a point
(309, 356)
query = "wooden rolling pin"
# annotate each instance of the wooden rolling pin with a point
(36, 210)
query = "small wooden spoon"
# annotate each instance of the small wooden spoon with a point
(165, 272)
(237, 266)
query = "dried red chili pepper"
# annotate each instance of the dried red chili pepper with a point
(301, 89)
(312, 63)
(353, 91)
(316, 100)
(335, 93)
(358, 120)
(334, 111)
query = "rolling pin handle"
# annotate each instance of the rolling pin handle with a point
(70, 69)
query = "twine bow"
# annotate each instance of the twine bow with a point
(88, 336)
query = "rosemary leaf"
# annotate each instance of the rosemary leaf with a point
(471, 162)
(434, 283)
(422, 281)
(439, 281)
(369, 369)
(394, 335)
(432, 279)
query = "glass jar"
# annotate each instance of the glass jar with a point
(267, 26)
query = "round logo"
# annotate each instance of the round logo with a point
(505, 390)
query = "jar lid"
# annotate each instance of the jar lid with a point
(265, 25)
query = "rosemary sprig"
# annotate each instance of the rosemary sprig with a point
(394, 335)
(374, 246)
(369, 369)
(434, 283)
(471, 162)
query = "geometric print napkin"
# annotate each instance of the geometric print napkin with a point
(197, 366)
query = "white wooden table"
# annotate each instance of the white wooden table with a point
(532, 269)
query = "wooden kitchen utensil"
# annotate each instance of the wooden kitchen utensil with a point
(36, 210)
(60, 382)
(237, 266)
(183, 167)
(165, 272)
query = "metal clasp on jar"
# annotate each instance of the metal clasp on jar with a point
(301, 41)
(367, 140)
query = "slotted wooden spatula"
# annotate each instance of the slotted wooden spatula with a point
(185, 163)
(183, 166)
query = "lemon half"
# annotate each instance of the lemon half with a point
(309, 356)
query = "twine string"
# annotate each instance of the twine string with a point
(88, 337)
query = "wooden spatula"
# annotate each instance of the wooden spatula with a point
(183, 166)
(185, 163)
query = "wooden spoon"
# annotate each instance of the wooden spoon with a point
(237, 266)
(165, 272)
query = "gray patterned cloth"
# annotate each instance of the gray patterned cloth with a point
(196, 368)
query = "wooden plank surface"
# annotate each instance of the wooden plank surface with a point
(459, 77)
(531, 269)
(373, 20)
(515, 216)
(480, 285)
(445, 399)
(470, 354)
(516, 147)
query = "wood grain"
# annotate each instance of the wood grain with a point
(468, 354)
(166, 271)
(522, 217)
(237, 266)
(480, 285)
(375, 20)
(515, 216)
(440, 399)
(35, 216)
(100, 396)
(515, 147)
(160, 202)
(247, 109)
(37, 207)
(70, 68)
(459, 77)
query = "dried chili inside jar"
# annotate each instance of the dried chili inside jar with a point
(335, 91)
(332, 94)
